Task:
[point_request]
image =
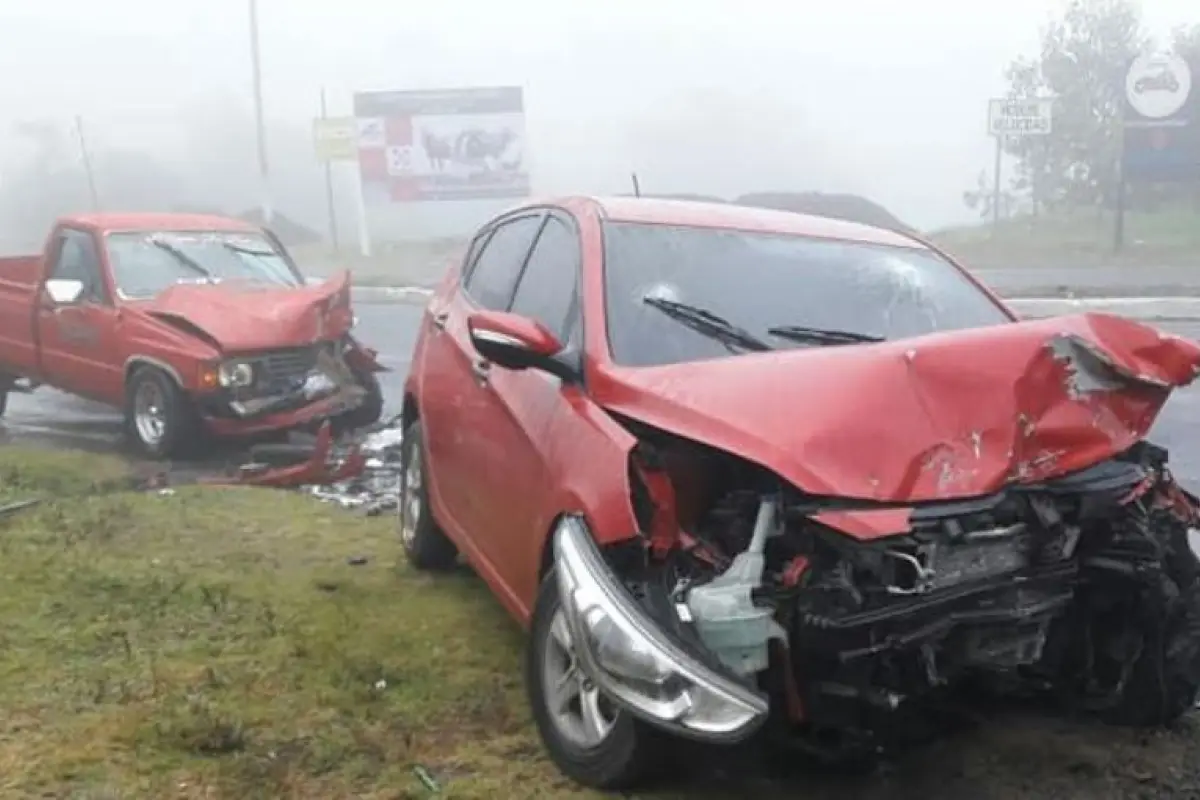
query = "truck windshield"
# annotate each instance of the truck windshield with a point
(145, 263)
(668, 288)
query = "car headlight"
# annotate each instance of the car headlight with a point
(235, 374)
(633, 662)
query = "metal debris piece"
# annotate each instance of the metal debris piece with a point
(20, 505)
(375, 488)
(362, 473)
(323, 466)
(426, 778)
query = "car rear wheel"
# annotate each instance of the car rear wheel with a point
(589, 738)
(159, 419)
(425, 544)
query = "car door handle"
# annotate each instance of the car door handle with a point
(482, 370)
(439, 320)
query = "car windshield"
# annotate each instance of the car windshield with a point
(665, 285)
(145, 263)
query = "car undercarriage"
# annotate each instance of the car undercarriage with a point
(1082, 588)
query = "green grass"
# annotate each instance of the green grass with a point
(216, 643)
(1169, 238)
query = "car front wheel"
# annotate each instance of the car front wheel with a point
(588, 737)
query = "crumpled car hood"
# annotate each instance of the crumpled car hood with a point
(244, 317)
(944, 416)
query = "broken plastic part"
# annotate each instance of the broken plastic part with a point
(729, 623)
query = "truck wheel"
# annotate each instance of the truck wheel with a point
(366, 414)
(425, 544)
(159, 419)
(3, 402)
(588, 737)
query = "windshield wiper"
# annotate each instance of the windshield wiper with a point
(183, 258)
(799, 333)
(250, 251)
(706, 322)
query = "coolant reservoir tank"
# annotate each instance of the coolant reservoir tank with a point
(728, 622)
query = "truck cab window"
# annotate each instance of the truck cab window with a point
(78, 260)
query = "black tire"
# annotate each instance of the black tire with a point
(3, 401)
(624, 758)
(425, 544)
(366, 414)
(180, 424)
(1156, 620)
(1165, 680)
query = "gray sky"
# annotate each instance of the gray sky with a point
(719, 96)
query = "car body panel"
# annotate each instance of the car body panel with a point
(509, 455)
(939, 417)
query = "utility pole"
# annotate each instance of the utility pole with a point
(86, 158)
(333, 226)
(259, 125)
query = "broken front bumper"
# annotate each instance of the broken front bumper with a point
(634, 662)
(329, 389)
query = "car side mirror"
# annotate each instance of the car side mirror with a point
(64, 291)
(516, 342)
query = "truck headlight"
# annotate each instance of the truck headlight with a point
(235, 374)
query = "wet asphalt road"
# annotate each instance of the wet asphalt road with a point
(61, 420)
(1096, 281)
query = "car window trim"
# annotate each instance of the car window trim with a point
(495, 225)
(567, 222)
(66, 233)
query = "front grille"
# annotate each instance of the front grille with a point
(284, 370)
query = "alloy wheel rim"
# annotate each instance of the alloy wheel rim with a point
(149, 413)
(576, 707)
(410, 500)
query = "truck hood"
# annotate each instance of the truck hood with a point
(944, 416)
(245, 317)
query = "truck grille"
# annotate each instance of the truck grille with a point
(285, 370)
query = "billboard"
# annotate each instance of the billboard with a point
(450, 144)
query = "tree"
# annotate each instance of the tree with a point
(1082, 65)
(1185, 42)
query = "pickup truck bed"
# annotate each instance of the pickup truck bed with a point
(20, 279)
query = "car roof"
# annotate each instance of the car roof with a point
(110, 222)
(729, 216)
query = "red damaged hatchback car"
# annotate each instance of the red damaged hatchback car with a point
(745, 472)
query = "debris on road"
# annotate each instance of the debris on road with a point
(20, 505)
(361, 472)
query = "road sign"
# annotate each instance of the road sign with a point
(1157, 86)
(335, 139)
(1008, 117)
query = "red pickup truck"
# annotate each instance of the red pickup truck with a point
(196, 326)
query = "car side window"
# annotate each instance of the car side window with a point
(547, 288)
(79, 260)
(498, 265)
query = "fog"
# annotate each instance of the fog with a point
(709, 96)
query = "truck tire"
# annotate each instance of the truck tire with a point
(159, 419)
(366, 414)
(3, 401)
(425, 544)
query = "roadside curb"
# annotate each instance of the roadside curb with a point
(1143, 308)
